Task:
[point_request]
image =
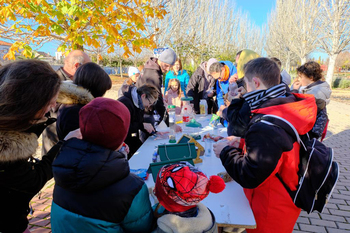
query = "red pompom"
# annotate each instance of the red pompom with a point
(216, 184)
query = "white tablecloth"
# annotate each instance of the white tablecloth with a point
(230, 207)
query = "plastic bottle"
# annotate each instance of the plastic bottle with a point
(186, 114)
(208, 147)
(172, 123)
(155, 155)
(203, 107)
(172, 116)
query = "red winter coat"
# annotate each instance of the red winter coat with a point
(269, 149)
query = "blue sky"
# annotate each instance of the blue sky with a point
(257, 9)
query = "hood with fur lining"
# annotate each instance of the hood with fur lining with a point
(70, 93)
(17, 145)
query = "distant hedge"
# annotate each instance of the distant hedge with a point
(341, 82)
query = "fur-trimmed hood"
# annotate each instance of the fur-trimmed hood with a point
(17, 145)
(70, 93)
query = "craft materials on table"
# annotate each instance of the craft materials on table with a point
(140, 173)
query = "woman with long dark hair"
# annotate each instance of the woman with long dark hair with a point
(28, 89)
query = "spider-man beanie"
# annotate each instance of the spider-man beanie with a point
(180, 187)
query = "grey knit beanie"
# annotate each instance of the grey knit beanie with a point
(168, 56)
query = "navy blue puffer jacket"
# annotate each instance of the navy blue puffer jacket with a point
(95, 192)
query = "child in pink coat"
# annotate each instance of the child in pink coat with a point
(173, 95)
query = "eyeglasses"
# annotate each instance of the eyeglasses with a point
(150, 103)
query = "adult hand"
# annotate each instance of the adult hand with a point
(148, 127)
(162, 133)
(178, 129)
(74, 134)
(217, 147)
(233, 78)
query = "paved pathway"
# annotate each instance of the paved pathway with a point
(334, 219)
(336, 216)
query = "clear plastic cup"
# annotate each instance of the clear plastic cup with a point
(208, 147)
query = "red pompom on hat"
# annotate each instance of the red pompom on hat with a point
(216, 184)
(104, 122)
(180, 187)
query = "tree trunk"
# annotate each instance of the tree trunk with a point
(330, 70)
(98, 59)
(120, 68)
(303, 60)
(288, 63)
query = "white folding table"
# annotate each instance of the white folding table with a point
(230, 207)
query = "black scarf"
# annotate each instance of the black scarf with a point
(257, 97)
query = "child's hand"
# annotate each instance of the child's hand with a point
(219, 146)
(233, 141)
(74, 134)
(219, 113)
(127, 149)
(178, 129)
(296, 85)
(241, 91)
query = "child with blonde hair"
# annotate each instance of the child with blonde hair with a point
(173, 95)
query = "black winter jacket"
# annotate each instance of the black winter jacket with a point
(20, 179)
(136, 122)
(95, 182)
(199, 85)
(237, 114)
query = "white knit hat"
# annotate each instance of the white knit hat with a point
(132, 71)
(210, 62)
